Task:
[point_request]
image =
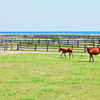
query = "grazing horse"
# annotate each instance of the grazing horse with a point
(66, 50)
(92, 51)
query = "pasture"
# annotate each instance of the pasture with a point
(27, 76)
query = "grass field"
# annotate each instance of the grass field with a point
(48, 77)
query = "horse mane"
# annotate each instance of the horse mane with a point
(88, 48)
(60, 48)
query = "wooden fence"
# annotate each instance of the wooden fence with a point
(45, 41)
(9, 46)
(52, 47)
(38, 47)
(68, 36)
(47, 44)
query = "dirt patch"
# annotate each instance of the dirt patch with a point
(11, 52)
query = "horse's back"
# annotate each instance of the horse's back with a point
(99, 49)
(70, 49)
(94, 51)
(65, 50)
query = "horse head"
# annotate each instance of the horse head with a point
(87, 49)
(60, 49)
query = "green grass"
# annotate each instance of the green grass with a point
(48, 77)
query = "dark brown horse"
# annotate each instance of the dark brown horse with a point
(66, 50)
(92, 51)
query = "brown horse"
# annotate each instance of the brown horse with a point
(92, 51)
(66, 50)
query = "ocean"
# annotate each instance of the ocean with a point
(49, 32)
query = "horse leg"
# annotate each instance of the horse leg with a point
(61, 55)
(65, 55)
(72, 54)
(69, 55)
(92, 58)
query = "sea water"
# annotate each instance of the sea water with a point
(49, 32)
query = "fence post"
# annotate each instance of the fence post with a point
(4, 47)
(18, 46)
(25, 40)
(59, 45)
(98, 42)
(72, 46)
(58, 41)
(93, 43)
(11, 47)
(84, 48)
(35, 47)
(39, 41)
(20, 43)
(46, 40)
(77, 43)
(47, 46)
(28, 43)
(32, 40)
(67, 41)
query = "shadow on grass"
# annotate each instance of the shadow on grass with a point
(87, 61)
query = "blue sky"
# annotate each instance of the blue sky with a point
(49, 15)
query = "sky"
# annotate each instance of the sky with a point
(49, 15)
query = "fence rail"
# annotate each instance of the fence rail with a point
(9, 46)
(49, 41)
(68, 36)
(47, 44)
(77, 47)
